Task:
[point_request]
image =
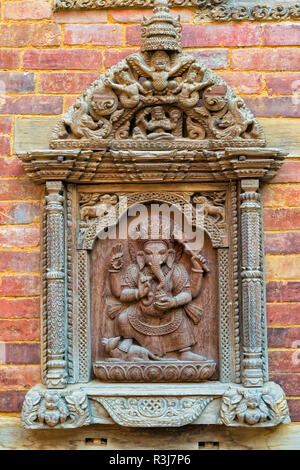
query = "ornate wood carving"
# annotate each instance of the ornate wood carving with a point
(137, 322)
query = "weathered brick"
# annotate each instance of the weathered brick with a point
(133, 35)
(9, 59)
(107, 34)
(69, 100)
(5, 145)
(281, 195)
(220, 35)
(282, 219)
(34, 104)
(5, 125)
(19, 330)
(21, 353)
(288, 173)
(17, 82)
(19, 376)
(19, 212)
(113, 56)
(19, 261)
(136, 16)
(294, 409)
(27, 10)
(19, 236)
(34, 34)
(19, 189)
(92, 16)
(283, 314)
(283, 83)
(212, 58)
(265, 59)
(20, 308)
(65, 82)
(244, 82)
(62, 59)
(19, 285)
(280, 243)
(289, 382)
(264, 106)
(284, 361)
(11, 167)
(283, 291)
(12, 400)
(288, 337)
(281, 34)
(283, 267)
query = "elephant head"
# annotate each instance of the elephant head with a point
(156, 253)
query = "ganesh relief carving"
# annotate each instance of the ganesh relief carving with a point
(152, 282)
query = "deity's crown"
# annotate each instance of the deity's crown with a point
(161, 32)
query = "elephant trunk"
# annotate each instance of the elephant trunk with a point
(157, 271)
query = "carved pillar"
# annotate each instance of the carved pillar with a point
(56, 364)
(251, 280)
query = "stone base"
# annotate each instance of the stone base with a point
(153, 405)
(154, 371)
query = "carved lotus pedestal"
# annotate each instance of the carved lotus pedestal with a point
(140, 326)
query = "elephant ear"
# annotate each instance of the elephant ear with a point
(140, 258)
(171, 258)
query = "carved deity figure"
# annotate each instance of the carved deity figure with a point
(128, 88)
(157, 312)
(153, 123)
(189, 87)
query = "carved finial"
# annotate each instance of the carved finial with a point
(161, 32)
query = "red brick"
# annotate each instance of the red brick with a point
(281, 195)
(35, 104)
(19, 285)
(19, 212)
(282, 243)
(288, 173)
(21, 353)
(283, 83)
(265, 59)
(19, 189)
(24, 10)
(69, 100)
(108, 34)
(244, 82)
(34, 34)
(284, 361)
(288, 337)
(133, 35)
(274, 107)
(5, 126)
(17, 82)
(113, 56)
(220, 35)
(20, 308)
(212, 58)
(283, 314)
(19, 376)
(19, 236)
(19, 330)
(9, 59)
(285, 34)
(284, 291)
(136, 16)
(62, 59)
(5, 145)
(92, 16)
(12, 400)
(65, 82)
(289, 382)
(282, 219)
(294, 408)
(19, 261)
(11, 167)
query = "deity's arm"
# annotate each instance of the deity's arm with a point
(129, 289)
(196, 281)
(183, 297)
(115, 283)
(129, 295)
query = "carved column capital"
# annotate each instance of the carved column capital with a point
(55, 276)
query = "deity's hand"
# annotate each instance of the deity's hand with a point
(144, 286)
(165, 303)
(199, 262)
(117, 260)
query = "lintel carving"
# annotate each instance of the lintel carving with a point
(147, 330)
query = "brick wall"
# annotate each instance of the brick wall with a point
(46, 59)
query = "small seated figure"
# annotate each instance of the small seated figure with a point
(158, 127)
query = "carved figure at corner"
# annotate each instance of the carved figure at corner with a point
(210, 209)
(189, 87)
(128, 89)
(128, 351)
